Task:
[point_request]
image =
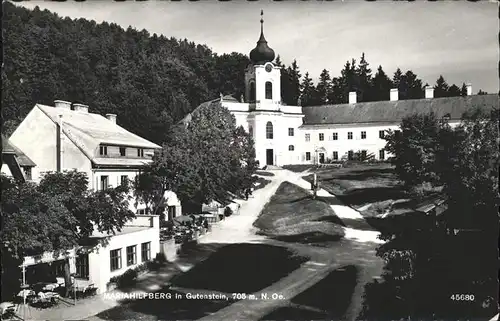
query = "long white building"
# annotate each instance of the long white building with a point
(305, 135)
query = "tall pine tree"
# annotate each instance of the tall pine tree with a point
(364, 80)
(324, 88)
(381, 86)
(441, 88)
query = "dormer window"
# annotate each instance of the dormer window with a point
(140, 152)
(103, 150)
(122, 151)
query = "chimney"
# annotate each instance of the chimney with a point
(352, 97)
(469, 89)
(81, 108)
(394, 94)
(429, 92)
(62, 104)
(111, 117)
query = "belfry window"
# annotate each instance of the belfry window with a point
(269, 90)
(252, 92)
(269, 130)
(250, 131)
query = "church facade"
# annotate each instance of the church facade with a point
(286, 135)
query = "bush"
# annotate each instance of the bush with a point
(221, 217)
(228, 211)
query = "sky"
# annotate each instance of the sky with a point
(457, 39)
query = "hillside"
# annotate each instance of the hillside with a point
(149, 81)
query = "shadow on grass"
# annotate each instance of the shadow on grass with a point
(309, 238)
(333, 294)
(244, 268)
(294, 313)
(264, 173)
(171, 306)
(372, 195)
(262, 183)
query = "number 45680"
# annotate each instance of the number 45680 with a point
(462, 297)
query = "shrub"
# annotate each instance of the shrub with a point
(228, 211)
(221, 217)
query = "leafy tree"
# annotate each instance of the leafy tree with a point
(381, 85)
(364, 80)
(323, 89)
(308, 96)
(454, 91)
(205, 160)
(480, 92)
(414, 147)
(291, 88)
(441, 88)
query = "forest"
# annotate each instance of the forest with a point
(152, 81)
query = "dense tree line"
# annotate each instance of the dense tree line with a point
(357, 77)
(149, 81)
(445, 266)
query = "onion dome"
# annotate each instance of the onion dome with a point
(261, 53)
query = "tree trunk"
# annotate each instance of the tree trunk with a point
(67, 277)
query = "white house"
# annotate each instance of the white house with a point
(106, 255)
(300, 135)
(63, 138)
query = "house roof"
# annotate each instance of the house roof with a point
(395, 111)
(187, 118)
(89, 130)
(9, 148)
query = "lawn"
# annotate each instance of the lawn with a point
(264, 173)
(369, 188)
(293, 216)
(241, 268)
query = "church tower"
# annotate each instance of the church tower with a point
(262, 78)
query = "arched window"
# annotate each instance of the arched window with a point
(269, 90)
(269, 130)
(250, 131)
(291, 148)
(252, 92)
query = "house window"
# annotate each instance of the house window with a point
(82, 266)
(250, 131)
(131, 255)
(140, 152)
(27, 173)
(252, 92)
(291, 148)
(308, 156)
(122, 151)
(146, 251)
(363, 135)
(103, 150)
(363, 154)
(349, 135)
(308, 137)
(350, 155)
(381, 154)
(104, 182)
(269, 130)
(321, 136)
(123, 180)
(381, 134)
(141, 211)
(115, 259)
(290, 132)
(269, 90)
(335, 136)
(335, 155)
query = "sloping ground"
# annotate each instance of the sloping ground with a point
(238, 268)
(293, 215)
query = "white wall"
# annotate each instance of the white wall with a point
(99, 260)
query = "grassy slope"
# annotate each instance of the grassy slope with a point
(292, 215)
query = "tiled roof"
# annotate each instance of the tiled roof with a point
(9, 148)
(89, 130)
(395, 111)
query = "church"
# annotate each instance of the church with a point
(285, 135)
